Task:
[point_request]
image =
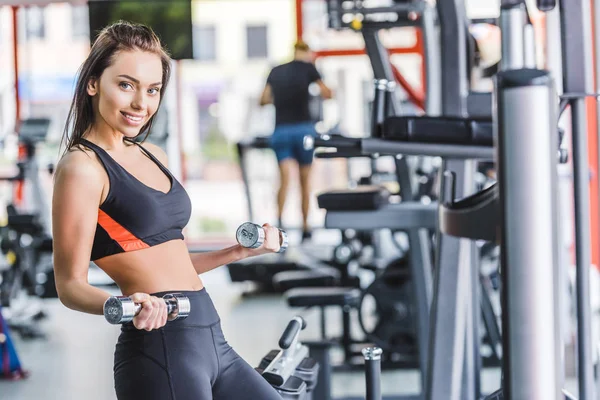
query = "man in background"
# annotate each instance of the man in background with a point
(287, 89)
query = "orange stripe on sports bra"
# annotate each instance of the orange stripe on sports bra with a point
(119, 234)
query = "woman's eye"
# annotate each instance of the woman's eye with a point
(154, 90)
(125, 85)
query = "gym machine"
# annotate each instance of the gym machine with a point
(301, 371)
(367, 209)
(524, 203)
(25, 241)
(534, 273)
(451, 369)
(457, 100)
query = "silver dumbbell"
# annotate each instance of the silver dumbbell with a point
(252, 236)
(121, 309)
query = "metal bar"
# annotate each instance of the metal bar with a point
(362, 52)
(404, 179)
(242, 160)
(581, 181)
(390, 147)
(372, 357)
(402, 216)
(527, 171)
(596, 31)
(179, 116)
(431, 70)
(529, 55)
(455, 86)
(15, 10)
(423, 51)
(378, 55)
(576, 45)
(562, 286)
(319, 351)
(299, 20)
(411, 7)
(512, 23)
(449, 309)
(415, 97)
(421, 271)
(577, 77)
(472, 365)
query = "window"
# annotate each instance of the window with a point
(35, 24)
(205, 43)
(79, 21)
(256, 40)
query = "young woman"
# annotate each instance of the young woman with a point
(116, 203)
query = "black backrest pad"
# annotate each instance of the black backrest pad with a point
(442, 130)
(363, 197)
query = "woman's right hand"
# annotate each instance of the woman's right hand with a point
(153, 314)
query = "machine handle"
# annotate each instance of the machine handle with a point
(291, 332)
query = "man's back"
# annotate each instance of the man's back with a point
(289, 84)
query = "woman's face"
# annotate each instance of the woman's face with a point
(128, 92)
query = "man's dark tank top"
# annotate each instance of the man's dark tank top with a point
(289, 84)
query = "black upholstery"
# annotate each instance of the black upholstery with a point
(318, 277)
(45, 244)
(262, 269)
(25, 223)
(482, 132)
(341, 153)
(440, 130)
(363, 197)
(327, 296)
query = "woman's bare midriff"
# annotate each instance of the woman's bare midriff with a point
(160, 268)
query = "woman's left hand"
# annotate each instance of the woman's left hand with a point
(271, 244)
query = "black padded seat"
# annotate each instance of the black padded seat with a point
(261, 269)
(316, 277)
(321, 297)
(440, 130)
(25, 223)
(363, 197)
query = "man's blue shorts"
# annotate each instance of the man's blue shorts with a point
(288, 142)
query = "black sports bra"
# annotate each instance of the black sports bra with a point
(135, 216)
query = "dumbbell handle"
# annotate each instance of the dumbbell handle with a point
(119, 309)
(171, 306)
(252, 235)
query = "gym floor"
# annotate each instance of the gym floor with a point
(75, 361)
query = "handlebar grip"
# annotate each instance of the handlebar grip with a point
(291, 331)
(335, 141)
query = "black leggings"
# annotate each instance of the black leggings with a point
(187, 359)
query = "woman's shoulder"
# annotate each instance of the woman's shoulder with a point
(79, 163)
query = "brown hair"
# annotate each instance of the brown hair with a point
(117, 37)
(301, 46)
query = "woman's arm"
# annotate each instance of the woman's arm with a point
(204, 262)
(78, 188)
